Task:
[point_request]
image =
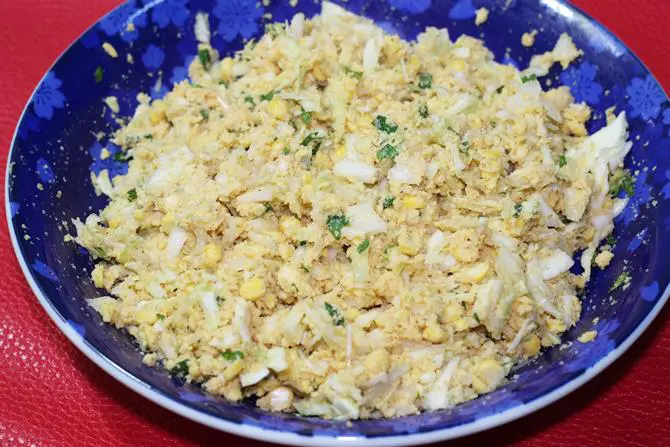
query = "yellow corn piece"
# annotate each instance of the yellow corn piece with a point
(252, 289)
(212, 254)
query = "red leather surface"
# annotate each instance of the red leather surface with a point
(51, 395)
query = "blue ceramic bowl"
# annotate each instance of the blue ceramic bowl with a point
(54, 150)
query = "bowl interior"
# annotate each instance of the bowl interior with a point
(55, 150)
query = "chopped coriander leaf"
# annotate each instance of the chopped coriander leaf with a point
(611, 240)
(562, 161)
(624, 183)
(180, 369)
(149, 136)
(388, 151)
(306, 117)
(494, 124)
(286, 150)
(224, 83)
(351, 73)
(423, 111)
(528, 78)
(205, 58)
(100, 252)
(302, 243)
(517, 209)
(250, 100)
(388, 202)
(304, 269)
(220, 299)
(500, 89)
(476, 317)
(98, 74)
(122, 157)
(231, 356)
(314, 136)
(382, 123)
(335, 223)
(132, 195)
(160, 317)
(205, 114)
(425, 80)
(268, 207)
(363, 246)
(465, 147)
(622, 279)
(269, 95)
(335, 314)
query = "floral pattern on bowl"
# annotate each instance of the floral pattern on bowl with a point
(55, 150)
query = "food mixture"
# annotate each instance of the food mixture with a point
(348, 225)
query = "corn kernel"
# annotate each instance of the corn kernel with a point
(212, 254)
(452, 312)
(226, 67)
(113, 223)
(555, 326)
(413, 202)
(433, 333)
(252, 289)
(278, 108)
(139, 215)
(461, 325)
(457, 65)
(233, 370)
(476, 272)
(532, 345)
(167, 222)
(490, 373)
(407, 246)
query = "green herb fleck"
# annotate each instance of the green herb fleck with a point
(268, 207)
(220, 299)
(302, 243)
(465, 147)
(149, 136)
(363, 246)
(314, 136)
(196, 85)
(160, 317)
(205, 58)
(425, 80)
(100, 252)
(611, 240)
(205, 114)
(98, 74)
(269, 95)
(562, 161)
(476, 317)
(180, 369)
(517, 209)
(306, 117)
(382, 123)
(132, 195)
(500, 89)
(286, 150)
(388, 202)
(335, 314)
(304, 268)
(625, 183)
(622, 279)
(122, 157)
(423, 111)
(351, 73)
(250, 100)
(388, 151)
(231, 356)
(335, 223)
(528, 78)
(273, 29)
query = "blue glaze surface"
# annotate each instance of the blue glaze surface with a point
(55, 150)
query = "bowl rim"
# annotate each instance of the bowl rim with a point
(279, 436)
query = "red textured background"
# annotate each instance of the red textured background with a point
(51, 395)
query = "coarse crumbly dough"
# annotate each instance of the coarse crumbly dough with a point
(348, 225)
